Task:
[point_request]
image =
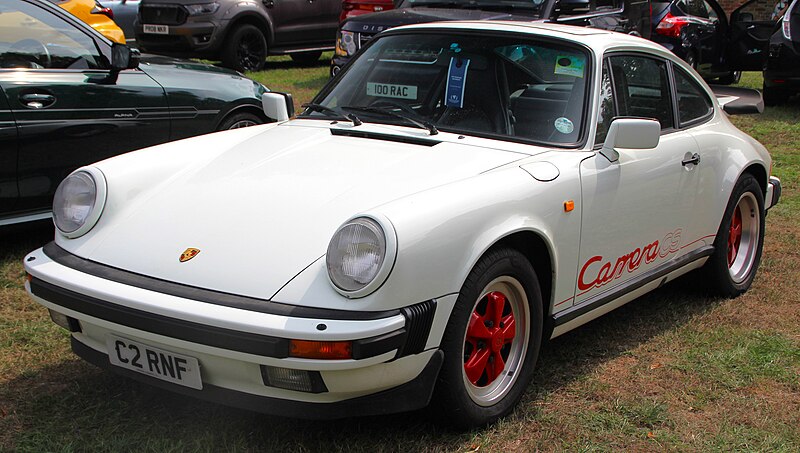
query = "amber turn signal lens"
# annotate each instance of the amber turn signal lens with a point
(569, 205)
(330, 350)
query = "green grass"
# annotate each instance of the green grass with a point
(674, 370)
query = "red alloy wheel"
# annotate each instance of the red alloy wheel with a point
(734, 236)
(490, 332)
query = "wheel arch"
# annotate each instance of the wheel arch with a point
(760, 173)
(243, 108)
(257, 20)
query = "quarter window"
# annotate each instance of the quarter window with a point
(693, 102)
(641, 88)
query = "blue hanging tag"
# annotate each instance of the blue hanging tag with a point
(456, 81)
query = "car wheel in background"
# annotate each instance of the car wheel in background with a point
(691, 60)
(239, 120)
(306, 57)
(491, 342)
(775, 96)
(245, 49)
(730, 78)
(737, 247)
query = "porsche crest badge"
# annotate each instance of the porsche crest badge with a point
(189, 254)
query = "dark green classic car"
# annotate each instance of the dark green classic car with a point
(69, 97)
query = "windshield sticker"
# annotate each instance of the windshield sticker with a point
(564, 125)
(570, 65)
(456, 81)
(388, 90)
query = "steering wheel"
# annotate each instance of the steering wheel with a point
(33, 51)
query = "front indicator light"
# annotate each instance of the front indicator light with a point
(289, 379)
(326, 350)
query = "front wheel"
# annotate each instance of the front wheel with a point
(739, 241)
(245, 49)
(239, 120)
(491, 342)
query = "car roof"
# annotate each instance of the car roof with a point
(598, 40)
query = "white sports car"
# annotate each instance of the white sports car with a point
(456, 196)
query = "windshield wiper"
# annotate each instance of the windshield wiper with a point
(421, 124)
(325, 109)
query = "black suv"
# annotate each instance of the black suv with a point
(626, 16)
(241, 33)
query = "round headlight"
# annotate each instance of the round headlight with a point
(78, 202)
(360, 256)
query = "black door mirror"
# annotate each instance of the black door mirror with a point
(123, 57)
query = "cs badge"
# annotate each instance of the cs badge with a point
(188, 254)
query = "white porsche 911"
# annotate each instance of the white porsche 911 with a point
(456, 196)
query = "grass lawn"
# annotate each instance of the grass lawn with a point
(674, 370)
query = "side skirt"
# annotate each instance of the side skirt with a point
(568, 319)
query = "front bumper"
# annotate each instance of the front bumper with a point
(234, 339)
(188, 39)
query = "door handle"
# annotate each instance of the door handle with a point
(37, 100)
(694, 159)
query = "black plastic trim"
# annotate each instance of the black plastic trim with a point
(611, 295)
(67, 259)
(218, 337)
(776, 190)
(412, 395)
(419, 319)
(385, 137)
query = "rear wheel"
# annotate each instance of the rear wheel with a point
(305, 58)
(239, 120)
(491, 342)
(737, 247)
(245, 49)
(730, 78)
(774, 96)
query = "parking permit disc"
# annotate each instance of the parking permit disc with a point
(456, 81)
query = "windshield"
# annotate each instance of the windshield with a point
(476, 4)
(515, 88)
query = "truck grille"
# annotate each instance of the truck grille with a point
(162, 14)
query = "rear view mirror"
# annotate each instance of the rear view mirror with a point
(123, 57)
(278, 106)
(630, 133)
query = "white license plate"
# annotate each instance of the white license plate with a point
(168, 366)
(157, 29)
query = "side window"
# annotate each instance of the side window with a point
(642, 89)
(606, 112)
(31, 37)
(693, 101)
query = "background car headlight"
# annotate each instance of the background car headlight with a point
(78, 202)
(205, 8)
(345, 43)
(361, 255)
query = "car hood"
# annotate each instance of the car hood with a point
(150, 62)
(375, 22)
(260, 207)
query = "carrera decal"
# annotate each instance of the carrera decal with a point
(388, 90)
(597, 272)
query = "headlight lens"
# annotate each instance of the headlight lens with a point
(787, 24)
(360, 256)
(346, 43)
(78, 202)
(205, 8)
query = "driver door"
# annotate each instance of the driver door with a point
(751, 25)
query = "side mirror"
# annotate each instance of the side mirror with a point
(631, 133)
(570, 7)
(278, 106)
(123, 57)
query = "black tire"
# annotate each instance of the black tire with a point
(732, 267)
(730, 78)
(245, 49)
(502, 278)
(774, 96)
(239, 120)
(306, 58)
